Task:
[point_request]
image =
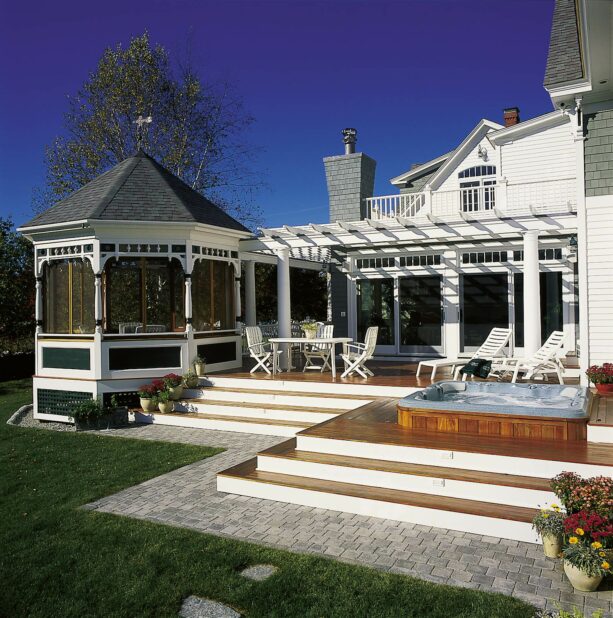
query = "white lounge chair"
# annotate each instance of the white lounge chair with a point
(543, 362)
(258, 350)
(319, 351)
(492, 347)
(355, 355)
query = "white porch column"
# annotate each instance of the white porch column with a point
(238, 310)
(188, 303)
(284, 310)
(98, 301)
(532, 294)
(250, 306)
(38, 307)
(451, 305)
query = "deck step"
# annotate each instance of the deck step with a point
(289, 393)
(442, 481)
(512, 522)
(241, 424)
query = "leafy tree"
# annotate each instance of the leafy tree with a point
(16, 290)
(198, 129)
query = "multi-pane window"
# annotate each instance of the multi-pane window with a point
(419, 260)
(403, 261)
(213, 295)
(480, 193)
(544, 254)
(484, 257)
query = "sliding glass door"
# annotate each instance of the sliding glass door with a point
(375, 307)
(421, 315)
(485, 305)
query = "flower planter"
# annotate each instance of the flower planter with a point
(89, 424)
(200, 368)
(580, 580)
(310, 334)
(175, 392)
(147, 405)
(165, 406)
(552, 545)
(605, 389)
(119, 416)
(191, 381)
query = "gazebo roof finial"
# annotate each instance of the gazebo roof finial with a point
(141, 124)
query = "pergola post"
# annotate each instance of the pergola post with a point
(250, 306)
(238, 310)
(284, 310)
(38, 307)
(98, 301)
(532, 294)
(188, 303)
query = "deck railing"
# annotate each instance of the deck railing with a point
(542, 197)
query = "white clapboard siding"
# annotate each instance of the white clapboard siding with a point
(452, 183)
(600, 277)
(546, 155)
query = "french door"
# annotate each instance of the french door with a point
(375, 307)
(421, 315)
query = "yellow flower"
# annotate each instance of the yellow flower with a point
(579, 531)
(573, 540)
(596, 545)
(605, 565)
(602, 554)
(555, 507)
(545, 515)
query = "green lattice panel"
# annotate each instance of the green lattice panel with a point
(52, 401)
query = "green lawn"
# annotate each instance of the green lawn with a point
(58, 561)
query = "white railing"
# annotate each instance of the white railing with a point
(405, 205)
(542, 197)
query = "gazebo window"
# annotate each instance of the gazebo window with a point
(213, 295)
(144, 295)
(68, 292)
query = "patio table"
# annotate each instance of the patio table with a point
(332, 341)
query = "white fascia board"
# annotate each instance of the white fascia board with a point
(420, 169)
(529, 127)
(484, 127)
(29, 231)
(269, 258)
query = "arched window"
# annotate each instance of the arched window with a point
(144, 295)
(213, 295)
(68, 297)
(478, 188)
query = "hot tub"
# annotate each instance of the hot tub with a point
(527, 411)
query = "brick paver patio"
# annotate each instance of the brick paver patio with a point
(188, 497)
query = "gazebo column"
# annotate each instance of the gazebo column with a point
(188, 303)
(38, 308)
(238, 310)
(98, 301)
(284, 310)
(532, 294)
(250, 307)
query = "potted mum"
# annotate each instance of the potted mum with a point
(549, 523)
(602, 377)
(164, 402)
(174, 385)
(200, 365)
(190, 380)
(585, 558)
(146, 394)
(309, 329)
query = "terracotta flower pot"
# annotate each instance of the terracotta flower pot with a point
(147, 405)
(165, 406)
(176, 392)
(605, 389)
(552, 545)
(580, 580)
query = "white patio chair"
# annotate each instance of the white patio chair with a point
(320, 351)
(258, 350)
(129, 327)
(493, 346)
(543, 362)
(151, 328)
(355, 355)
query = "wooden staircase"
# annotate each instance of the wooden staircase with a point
(362, 462)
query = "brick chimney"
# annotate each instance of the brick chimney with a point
(511, 116)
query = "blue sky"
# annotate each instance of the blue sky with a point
(413, 76)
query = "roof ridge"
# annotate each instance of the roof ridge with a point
(115, 187)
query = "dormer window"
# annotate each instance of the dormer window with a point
(479, 193)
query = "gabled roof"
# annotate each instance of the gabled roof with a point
(137, 189)
(565, 57)
(529, 127)
(420, 169)
(476, 135)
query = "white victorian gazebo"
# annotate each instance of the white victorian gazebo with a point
(136, 274)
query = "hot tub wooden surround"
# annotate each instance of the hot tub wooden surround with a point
(494, 424)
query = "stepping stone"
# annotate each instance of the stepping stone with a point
(259, 572)
(195, 607)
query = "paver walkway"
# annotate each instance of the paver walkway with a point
(188, 497)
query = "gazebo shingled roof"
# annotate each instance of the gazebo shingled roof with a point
(137, 189)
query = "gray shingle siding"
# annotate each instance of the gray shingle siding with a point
(416, 185)
(564, 59)
(598, 131)
(338, 289)
(350, 179)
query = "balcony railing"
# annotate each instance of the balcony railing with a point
(542, 197)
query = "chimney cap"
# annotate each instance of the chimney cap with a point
(511, 116)
(511, 109)
(350, 135)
